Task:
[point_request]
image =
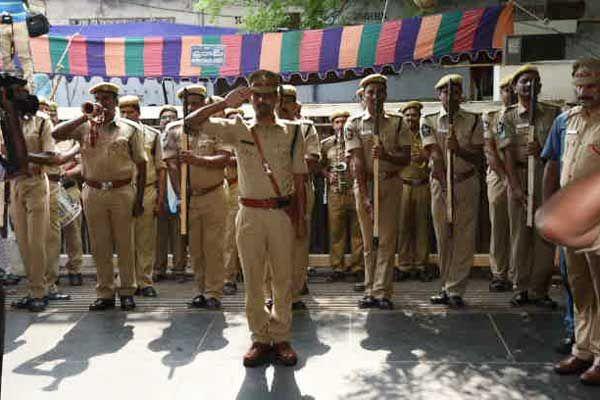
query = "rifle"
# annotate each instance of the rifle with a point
(183, 181)
(531, 159)
(376, 142)
(450, 161)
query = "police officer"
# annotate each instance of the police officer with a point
(393, 154)
(206, 159)
(272, 171)
(289, 109)
(112, 154)
(456, 247)
(230, 252)
(168, 231)
(341, 206)
(580, 159)
(413, 236)
(500, 259)
(145, 224)
(533, 257)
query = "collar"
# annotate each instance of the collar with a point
(278, 122)
(367, 115)
(444, 113)
(521, 110)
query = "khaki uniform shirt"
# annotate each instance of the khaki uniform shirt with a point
(513, 128)
(118, 148)
(333, 153)
(581, 156)
(415, 171)
(312, 145)
(154, 153)
(393, 135)
(201, 143)
(491, 121)
(468, 129)
(283, 150)
(37, 131)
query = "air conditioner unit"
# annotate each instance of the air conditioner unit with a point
(519, 49)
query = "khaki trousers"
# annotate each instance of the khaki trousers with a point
(72, 237)
(500, 260)
(53, 239)
(18, 34)
(532, 256)
(230, 252)
(456, 250)
(584, 279)
(145, 234)
(379, 272)
(206, 217)
(342, 215)
(110, 221)
(169, 237)
(29, 211)
(302, 247)
(265, 239)
(413, 236)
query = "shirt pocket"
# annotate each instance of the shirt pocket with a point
(119, 147)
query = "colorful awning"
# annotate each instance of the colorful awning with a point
(339, 49)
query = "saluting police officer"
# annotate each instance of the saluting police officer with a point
(500, 258)
(393, 154)
(272, 171)
(533, 257)
(456, 244)
(154, 188)
(341, 206)
(413, 237)
(207, 158)
(112, 154)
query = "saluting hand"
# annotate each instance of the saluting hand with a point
(237, 97)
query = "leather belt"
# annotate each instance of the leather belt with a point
(232, 181)
(54, 177)
(203, 191)
(107, 185)
(69, 184)
(458, 178)
(273, 202)
(415, 182)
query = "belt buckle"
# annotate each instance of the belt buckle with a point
(106, 185)
(281, 202)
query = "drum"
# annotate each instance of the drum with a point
(68, 209)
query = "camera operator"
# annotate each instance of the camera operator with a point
(14, 36)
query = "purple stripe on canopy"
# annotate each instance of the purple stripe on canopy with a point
(171, 56)
(330, 49)
(487, 26)
(251, 47)
(95, 58)
(405, 46)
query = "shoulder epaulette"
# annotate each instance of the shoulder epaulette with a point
(131, 123)
(574, 111)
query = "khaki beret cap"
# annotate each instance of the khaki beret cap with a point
(339, 114)
(288, 90)
(373, 78)
(105, 87)
(524, 69)
(446, 79)
(263, 81)
(43, 101)
(586, 71)
(506, 81)
(129, 100)
(412, 104)
(166, 108)
(199, 90)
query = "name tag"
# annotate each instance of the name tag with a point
(522, 126)
(443, 130)
(572, 132)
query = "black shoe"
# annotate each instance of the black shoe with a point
(138, 292)
(400, 275)
(21, 304)
(440, 298)
(368, 302)
(57, 296)
(545, 302)
(269, 304)
(456, 301)
(298, 305)
(385, 304)
(335, 276)
(102, 304)
(565, 346)
(198, 302)
(230, 288)
(75, 279)
(520, 299)
(127, 303)
(304, 290)
(500, 285)
(37, 305)
(213, 304)
(149, 291)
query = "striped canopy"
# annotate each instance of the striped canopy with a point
(339, 49)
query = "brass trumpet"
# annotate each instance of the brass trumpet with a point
(96, 121)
